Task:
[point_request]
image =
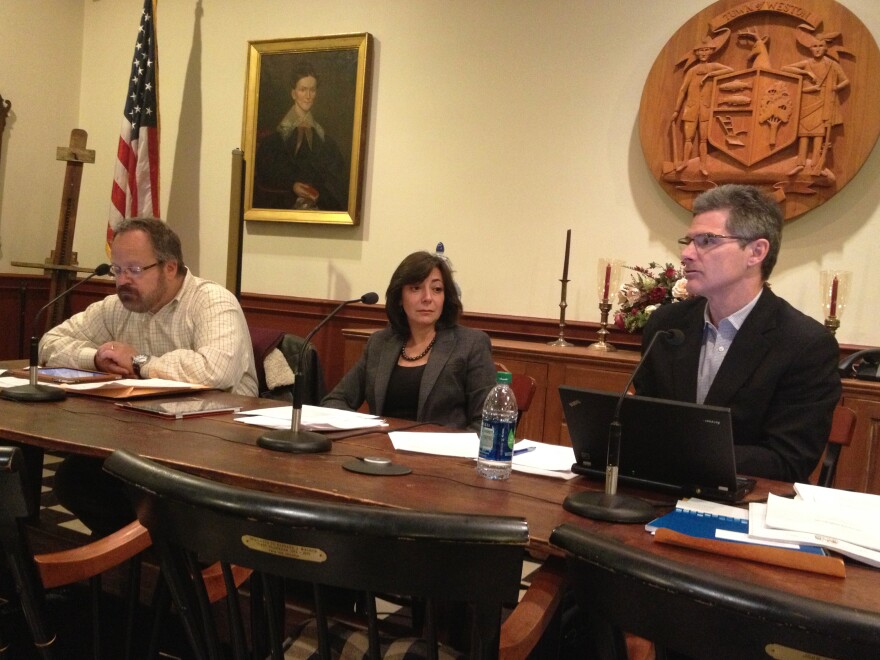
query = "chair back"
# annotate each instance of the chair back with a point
(267, 340)
(843, 426)
(701, 614)
(19, 559)
(430, 556)
(523, 387)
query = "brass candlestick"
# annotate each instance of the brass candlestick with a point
(832, 323)
(602, 344)
(834, 289)
(607, 284)
(562, 305)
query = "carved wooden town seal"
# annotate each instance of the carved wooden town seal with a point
(782, 95)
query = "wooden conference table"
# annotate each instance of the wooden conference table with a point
(220, 448)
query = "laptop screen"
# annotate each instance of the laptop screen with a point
(668, 445)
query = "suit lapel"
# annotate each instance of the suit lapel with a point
(686, 358)
(437, 360)
(747, 352)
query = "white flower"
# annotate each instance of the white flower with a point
(650, 308)
(680, 291)
(630, 293)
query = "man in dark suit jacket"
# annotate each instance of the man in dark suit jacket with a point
(745, 348)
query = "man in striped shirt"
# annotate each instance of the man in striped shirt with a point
(163, 322)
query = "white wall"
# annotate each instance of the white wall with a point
(495, 126)
(40, 68)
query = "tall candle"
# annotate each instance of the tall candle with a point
(567, 251)
(607, 281)
(832, 311)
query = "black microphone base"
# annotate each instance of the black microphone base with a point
(33, 393)
(613, 508)
(295, 442)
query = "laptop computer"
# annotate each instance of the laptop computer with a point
(672, 446)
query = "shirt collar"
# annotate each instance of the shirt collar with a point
(738, 317)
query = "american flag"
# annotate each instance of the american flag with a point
(136, 175)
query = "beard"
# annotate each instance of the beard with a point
(141, 302)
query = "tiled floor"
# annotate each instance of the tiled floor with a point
(51, 512)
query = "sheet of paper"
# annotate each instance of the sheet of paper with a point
(12, 381)
(545, 460)
(464, 445)
(551, 458)
(313, 418)
(138, 383)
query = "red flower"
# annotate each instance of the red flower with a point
(657, 295)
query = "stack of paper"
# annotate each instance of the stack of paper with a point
(129, 388)
(838, 520)
(313, 418)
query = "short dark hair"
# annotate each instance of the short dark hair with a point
(165, 242)
(413, 269)
(304, 70)
(750, 213)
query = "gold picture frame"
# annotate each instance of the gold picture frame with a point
(305, 129)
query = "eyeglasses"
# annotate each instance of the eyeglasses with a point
(131, 271)
(703, 241)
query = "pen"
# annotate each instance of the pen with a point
(526, 450)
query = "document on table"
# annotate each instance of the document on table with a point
(759, 529)
(827, 514)
(313, 418)
(125, 388)
(546, 460)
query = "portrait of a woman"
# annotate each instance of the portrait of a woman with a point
(298, 165)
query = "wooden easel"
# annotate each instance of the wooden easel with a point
(61, 264)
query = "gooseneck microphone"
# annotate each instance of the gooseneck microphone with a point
(295, 440)
(33, 391)
(610, 505)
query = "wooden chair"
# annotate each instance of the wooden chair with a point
(523, 387)
(271, 345)
(698, 613)
(432, 556)
(33, 574)
(843, 426)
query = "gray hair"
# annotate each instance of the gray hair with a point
(750, 213)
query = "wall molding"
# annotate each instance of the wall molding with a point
(21, 296)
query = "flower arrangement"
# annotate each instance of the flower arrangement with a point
(648, 289)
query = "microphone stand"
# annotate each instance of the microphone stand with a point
(611, 505)
(296, 440)
(33, 391)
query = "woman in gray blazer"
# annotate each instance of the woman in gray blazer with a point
(423, 366)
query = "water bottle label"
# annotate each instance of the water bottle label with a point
(496, 440)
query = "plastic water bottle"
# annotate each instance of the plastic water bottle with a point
(497, 431)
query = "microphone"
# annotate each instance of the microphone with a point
(610, 505)
(295, 440)
(33, 391)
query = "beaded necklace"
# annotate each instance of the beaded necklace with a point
(420, 355)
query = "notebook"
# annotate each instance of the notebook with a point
(672, 446)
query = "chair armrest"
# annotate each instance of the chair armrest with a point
(84, 562)
(526, 624)
(213, 578)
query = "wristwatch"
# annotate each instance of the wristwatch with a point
(138, 362)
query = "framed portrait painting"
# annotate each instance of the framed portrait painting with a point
(305, 129)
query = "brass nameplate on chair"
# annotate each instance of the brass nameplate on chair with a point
(289, 550)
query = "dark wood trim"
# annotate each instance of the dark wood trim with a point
(21, 296)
